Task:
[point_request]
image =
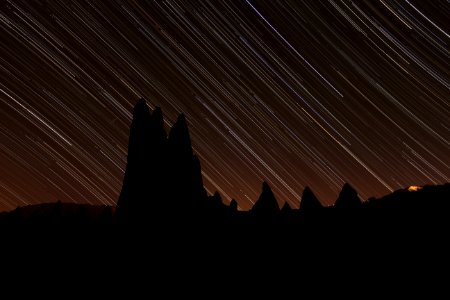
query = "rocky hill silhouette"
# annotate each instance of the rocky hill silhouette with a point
(163, 193)
(163, 176)
(165, 229)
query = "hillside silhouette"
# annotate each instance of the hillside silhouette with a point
(166, 230)
(163, 194)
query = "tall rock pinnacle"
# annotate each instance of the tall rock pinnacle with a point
(348, 198)
(162, 173)
(309, 202)
(266, 204)
(179, 138)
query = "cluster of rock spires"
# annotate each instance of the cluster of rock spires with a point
(162, 173)
(163, 181)
(166, 226)
(163, 186)
(163, 177)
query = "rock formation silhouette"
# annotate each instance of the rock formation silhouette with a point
(233, 205)
(163, 188)
(348, 198)
(165, 223)
(185, 178)
(309, 202)
(286, 208)
(266, 205)
(162, 176)
(143, 185)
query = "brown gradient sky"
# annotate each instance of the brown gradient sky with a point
(298, 93)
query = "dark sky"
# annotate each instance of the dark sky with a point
(298, 93)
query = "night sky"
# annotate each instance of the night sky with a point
(297, 93)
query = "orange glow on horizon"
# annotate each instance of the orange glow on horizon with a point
(414, 188)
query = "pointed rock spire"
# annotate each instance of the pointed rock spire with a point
(159, 132)
(157, 116)
(233, 205)
(309, 202)
(348, 198)
(140, 110)
(140, 128)
(179, 138)
(286, 207)
(136, 179)
(216, 199)
(266, 204)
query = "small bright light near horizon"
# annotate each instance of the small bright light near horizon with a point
(414, 188)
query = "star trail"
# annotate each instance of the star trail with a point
(297, 93)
